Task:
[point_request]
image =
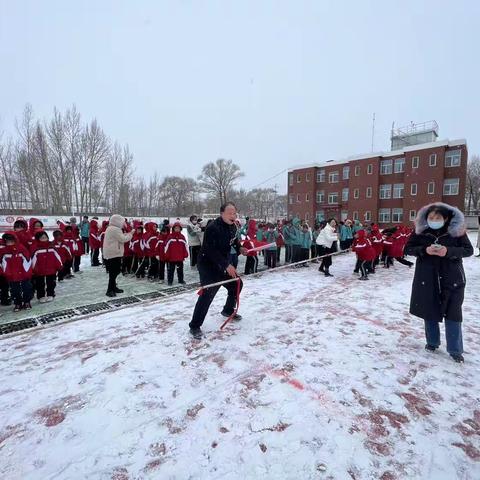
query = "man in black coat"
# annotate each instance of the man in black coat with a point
(214, 266)
(439, 243)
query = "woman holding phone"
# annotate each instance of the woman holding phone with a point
(439, 243)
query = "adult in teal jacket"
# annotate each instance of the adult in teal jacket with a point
(85, 233)
(346, 235)
(287, 237)
(297, 240)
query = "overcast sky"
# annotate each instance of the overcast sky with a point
(269, 84)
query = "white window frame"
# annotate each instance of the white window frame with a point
(299, 178)
(343, 215)
(307, 177)
(355, 215)
(368, 216)
(298, 198)
(345, 194)
(320, 193)
(357, 170)
(385, 192)
(290, 179)
(399, 165)
(398, 190)
(448, 183)
(356, 193)
(386, 167)
(415, 161)
(432, 160)
(412, 189)
(346, 173)
(320, 176)
(369, 192)
(320, 215)
(332, 176)
(431, 190)
(290, 199)
(412, 215)
(331, 195)
(369, 169)
(384, 215)
(307, 216)
(307, 197)
(453, 158)
(397, 215)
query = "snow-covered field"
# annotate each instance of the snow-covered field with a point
(324, 378)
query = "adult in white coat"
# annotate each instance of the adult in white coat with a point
(327, 243)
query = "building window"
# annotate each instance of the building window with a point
(290, 178)
(397, 215)
(399, 165)
(357, 170)
(413, 214)
(431, 188)
(369, 192)
(368, 216)
(415, 162)
(355, 215)
(452, 158)
(384, 215)
(290, 199)
(398, 189)
(320, 176)
(450, 186)
(320, 215)
(307, 216)
(299, 178)
(356, 193)
(333, 198)
(386, 167)
(369, 169)
(320, 196)
(307, 197)
(385, 191)
(346, 173)
(413, 189)
(298, 198)
(432, 160)
(345, 195)
(343, 215)
(333, 177)
(307, 177)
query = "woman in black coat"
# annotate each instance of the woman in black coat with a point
(439, 243)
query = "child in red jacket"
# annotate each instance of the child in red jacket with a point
(76, 251)
(160, 251)
(4, 288)
(149, 255)
(21, 230)
(136, 245)
(94, 242)
(127, 259)
(363, 247)
(65, 255)
(251, 263)
(17, 268)
(46, 262)
(175, 253)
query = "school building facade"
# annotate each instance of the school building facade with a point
(387, 188)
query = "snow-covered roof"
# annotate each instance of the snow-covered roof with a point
(392, 153)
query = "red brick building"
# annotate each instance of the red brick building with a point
(386, 188)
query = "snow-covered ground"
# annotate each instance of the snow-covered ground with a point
(324, 378)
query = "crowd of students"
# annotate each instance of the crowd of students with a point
(32, 263)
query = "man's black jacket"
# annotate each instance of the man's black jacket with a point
(217, 242)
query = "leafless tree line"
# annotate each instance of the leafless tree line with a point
(472, 194)
(66, 166)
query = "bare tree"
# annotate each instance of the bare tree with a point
(219, 178)
(473, 183)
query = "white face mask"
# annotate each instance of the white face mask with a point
(435, 224)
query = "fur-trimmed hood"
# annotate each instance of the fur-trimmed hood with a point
(456, 226)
